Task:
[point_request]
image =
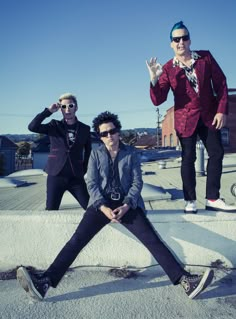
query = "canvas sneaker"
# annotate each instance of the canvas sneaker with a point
(190, 207)
(219, 205)
(195, 284)
(35, 285)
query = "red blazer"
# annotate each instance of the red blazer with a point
(189, 106)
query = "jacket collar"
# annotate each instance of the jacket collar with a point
(194, 57)
(122, 146)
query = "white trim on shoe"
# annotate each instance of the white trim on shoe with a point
(205, 281)
(190, 207)
(27, 284)
(219, 205)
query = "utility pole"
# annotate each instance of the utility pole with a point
(158, 127)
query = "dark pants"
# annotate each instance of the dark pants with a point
(136, 222)
(212, 142)
(56, 187)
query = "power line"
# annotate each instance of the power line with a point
(82, 114)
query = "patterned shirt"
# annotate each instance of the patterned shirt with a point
(71, 133)
(189, 71)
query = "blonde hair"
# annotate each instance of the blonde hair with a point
(68, 96)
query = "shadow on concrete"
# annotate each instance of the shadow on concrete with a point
(196, 235)
(142, 281)
(175, 193)
(222, 287)
(27, 184)
(229, 172)
(149, 173)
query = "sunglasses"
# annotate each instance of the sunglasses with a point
(64, 106)
(184, 38)
(111, 132)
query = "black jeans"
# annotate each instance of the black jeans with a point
(212, 142)
(136, 222)
(56, 187)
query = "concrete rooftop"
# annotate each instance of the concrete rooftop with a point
(31, 236)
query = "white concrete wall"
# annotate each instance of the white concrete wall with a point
(35, 238)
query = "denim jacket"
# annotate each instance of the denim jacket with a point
(129, 172)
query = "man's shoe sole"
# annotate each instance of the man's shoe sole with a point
(190, 211)
(26, 283)
(220, 210)
(205, 281)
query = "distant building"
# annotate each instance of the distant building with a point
(169, 137)
(39, 152)
(146, 141)
(8, 154)
(41, 149)
(228, 133)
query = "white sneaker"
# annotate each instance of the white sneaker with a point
(190, 207)
(220, 205)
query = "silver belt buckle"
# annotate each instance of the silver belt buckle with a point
(115, 196)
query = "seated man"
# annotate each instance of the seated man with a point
(114, 181)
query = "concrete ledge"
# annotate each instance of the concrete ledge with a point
(35, 238)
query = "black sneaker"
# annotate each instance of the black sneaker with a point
(35, 285)
(195, 284)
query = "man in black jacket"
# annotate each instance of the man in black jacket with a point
(70, 148)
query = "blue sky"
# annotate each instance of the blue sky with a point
(97, 49)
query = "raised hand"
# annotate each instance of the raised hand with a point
(54, 107)
(154, 69)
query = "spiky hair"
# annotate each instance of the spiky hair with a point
(106, 117)
(68, 96)
(176, 26)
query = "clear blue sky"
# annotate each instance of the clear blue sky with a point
(97, 50)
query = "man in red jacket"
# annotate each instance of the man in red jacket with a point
(70, 147)
(200, 107)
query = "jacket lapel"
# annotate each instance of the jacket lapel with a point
(200, 71)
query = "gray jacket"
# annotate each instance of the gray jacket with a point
(129, 172)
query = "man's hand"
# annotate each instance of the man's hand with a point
(219, 120)
(109, 213)
(54, 107)
(154, 69)
(120, 212)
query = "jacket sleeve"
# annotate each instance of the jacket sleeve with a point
(135, 189)
(36, 126)
(219, 86)
(160, 90)
(87, 151)
(93, 181)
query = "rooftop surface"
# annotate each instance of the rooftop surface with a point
(92, 292)
(31, 192)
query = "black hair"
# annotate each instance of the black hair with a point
(106, 117)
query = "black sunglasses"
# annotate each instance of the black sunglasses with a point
(184, 38)
(64, 106)
(111, 132)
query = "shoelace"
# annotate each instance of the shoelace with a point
(40, 280)
(185, 284)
